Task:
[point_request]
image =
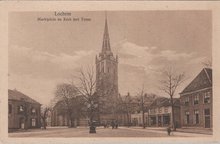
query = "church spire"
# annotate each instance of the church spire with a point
(106, 40)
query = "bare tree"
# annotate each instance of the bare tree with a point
(86, 87)
(171, 81)
(126, 106)
(94, 96)
(44, 115)
(67, 95)
(140, 98)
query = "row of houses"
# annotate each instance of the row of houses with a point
(192, 109)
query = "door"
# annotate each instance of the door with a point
(207, 121)
(159, 120)
(21, 123)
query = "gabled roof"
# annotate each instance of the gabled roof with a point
(201, 81)
(16, 95)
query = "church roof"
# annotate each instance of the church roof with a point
(201, 81)
(16, 95)
(106, 40)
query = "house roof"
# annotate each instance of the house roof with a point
(16, 95)
(163, 101)
(201, 81)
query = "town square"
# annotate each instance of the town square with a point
(113, 74)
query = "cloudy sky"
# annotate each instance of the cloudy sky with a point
(43, 54)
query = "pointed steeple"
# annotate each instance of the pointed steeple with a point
(106, 40)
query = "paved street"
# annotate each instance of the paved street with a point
(101, 132)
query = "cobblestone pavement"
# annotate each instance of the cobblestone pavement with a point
(100, 132)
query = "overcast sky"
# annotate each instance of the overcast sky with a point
(43, 54)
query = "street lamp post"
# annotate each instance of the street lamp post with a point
(142, 107)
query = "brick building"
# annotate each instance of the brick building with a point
(23, 111)
(196, 101)
(160, 112)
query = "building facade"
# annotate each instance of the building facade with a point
(137, 119)
(196, 101)
(160, 112)
(107, 78)
(23, 111)
(60, 116)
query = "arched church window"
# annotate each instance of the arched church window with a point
(102, 67)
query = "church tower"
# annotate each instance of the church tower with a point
(107, 75)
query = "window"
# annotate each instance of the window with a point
(159, 110)
(187, 117)
(196, 99)
(207, 97)
(196, 112)
(102, 67)
(186, 100)
(166, 109)
(207, 111)
(33, 111)
(166, 119)
(21, 108)
(152, 111)
(9, 108)
(33, 122)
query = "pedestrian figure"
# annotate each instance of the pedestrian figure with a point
(168, 131)
(116, 124)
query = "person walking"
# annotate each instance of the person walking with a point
(116, 124)
(168, 131)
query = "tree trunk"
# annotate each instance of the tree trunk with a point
(45, 125)
(128, 120)
(143, 119)
(72, 124)
(173, 116)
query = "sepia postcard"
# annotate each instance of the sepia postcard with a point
(109, 72)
